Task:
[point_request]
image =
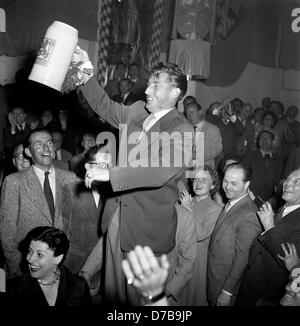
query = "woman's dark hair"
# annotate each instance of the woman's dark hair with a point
(56, 239)
(175, 74)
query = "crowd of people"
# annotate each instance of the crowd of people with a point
(79, 226)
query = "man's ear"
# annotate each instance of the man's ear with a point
(175, 92)
(27, 152)
(247, 184)
(87, 166)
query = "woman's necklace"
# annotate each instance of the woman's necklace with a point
(57, 277)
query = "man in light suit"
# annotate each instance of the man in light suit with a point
(266, 275)
(144, 213)
(232, 237)
(212, 136)
(23, 201)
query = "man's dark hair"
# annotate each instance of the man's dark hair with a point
(27, 142)
(246, 170)
(90, 154)
(281, 106)
(264, 132)
(175, 74)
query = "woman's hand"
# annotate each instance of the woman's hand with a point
(186, 200)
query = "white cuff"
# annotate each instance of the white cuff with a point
(225, 292)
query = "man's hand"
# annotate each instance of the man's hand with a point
(96, 174)
(266, 216)
(223, 299)
(145, 272)
(290, 257)
(82, 62)
(12, 121)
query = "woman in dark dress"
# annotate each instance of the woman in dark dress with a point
(48, 282)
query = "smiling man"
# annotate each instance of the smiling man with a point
(144, 211)
(266, 275)
(232, 237)
(31, 198)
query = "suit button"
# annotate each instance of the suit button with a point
(117, 200)
(125, 205)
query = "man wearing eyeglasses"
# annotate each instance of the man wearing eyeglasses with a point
(82, 208)
(266, 276)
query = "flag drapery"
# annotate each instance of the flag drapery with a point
(103, 34)
(155, 42)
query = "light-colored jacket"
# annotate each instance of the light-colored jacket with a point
(24, 207)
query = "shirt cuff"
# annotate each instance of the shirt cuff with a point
(228, 293)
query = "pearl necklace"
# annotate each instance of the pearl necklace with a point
(52, 282)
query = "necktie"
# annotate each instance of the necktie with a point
(49, 196)
(227, 206)
(194, 144)
(148, 121)
(145, 125)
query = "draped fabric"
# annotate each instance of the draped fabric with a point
(192, 56)
(103, 34)
(155, 42)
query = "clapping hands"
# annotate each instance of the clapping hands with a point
(186, 200)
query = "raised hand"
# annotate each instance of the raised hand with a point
(290, 257)
(147, 273)
(266, 216)
(186, 200)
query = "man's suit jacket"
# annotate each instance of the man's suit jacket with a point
(130, 99)
(24, 207)
(148, 194)
(266, 275)
(80, 222)
(229, 247)
(293, 162)
(212, 143)
(182, 258)
(11, 141)
(267, 173)
(229, 133)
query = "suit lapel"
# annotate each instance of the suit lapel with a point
(36, 194)
(58, 190)
(232, 212)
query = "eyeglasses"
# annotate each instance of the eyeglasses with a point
(294, 181)
(101, 165)
(205, 181)
(20, 157)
